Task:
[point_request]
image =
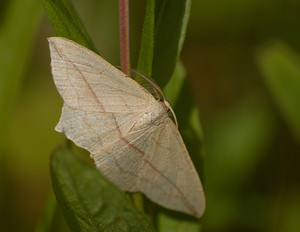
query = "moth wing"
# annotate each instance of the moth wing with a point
(100, 102)
(92, 130)
(156, 162)
(89, 83)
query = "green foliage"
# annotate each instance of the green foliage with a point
(250, 112)
(162, 38)
(66, 22)
(171, 18)
(19, 21)
(147, 41)
(88, 201)
(188, 119)
(174, 86)
(167, 223)
(281, 71)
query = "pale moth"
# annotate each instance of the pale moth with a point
(128, 132)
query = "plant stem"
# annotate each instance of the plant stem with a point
(124, 35)
(138, 201)
(137, 198)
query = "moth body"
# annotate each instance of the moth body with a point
(151, 117)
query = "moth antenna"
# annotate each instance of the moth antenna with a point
(173, 113)
(157, 89)
(152, 82)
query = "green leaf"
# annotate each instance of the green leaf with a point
(66, 22)
(174, 86)
(189, 126)
(17, 33)
(281, 70)
(146, 50)
(166, 223)
(88, 201)
(171, 18)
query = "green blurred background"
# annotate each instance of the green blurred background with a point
(244, 70)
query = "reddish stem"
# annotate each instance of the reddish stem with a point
(124, 35)
(125, 66)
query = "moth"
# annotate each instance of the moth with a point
(132, 139)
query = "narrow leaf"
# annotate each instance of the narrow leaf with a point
(281, 70)
(88, 201)
(175, 84)
(170, 27)
(66, 22)
(189, 125)
(146, 50)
